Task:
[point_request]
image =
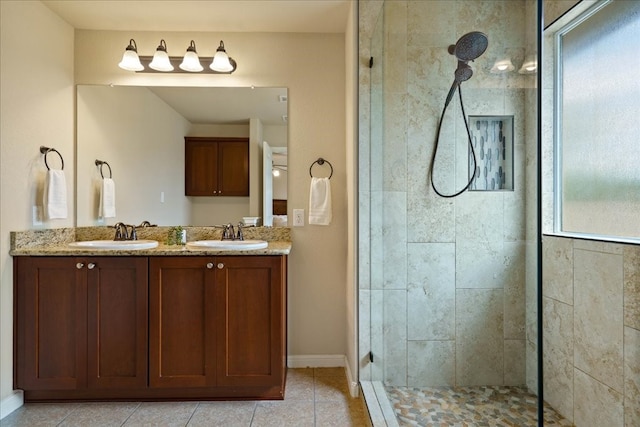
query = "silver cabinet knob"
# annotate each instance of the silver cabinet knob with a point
(209, 265)
(79, 265)
(220, 266)
(91, 266)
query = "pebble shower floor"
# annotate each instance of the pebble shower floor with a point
(469, 407)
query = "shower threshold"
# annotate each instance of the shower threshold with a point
(456, 406)
(380, 409)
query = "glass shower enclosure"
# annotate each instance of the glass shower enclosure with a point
(448, 287)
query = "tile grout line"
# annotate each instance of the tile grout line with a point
(131, 414)
(192, 414)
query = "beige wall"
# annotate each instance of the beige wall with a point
(311, 66)
(351, 55)
(307, 64)
(36, 108)
(136, 133)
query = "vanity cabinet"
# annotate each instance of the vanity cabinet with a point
(216, 166)
(81, 323)
(252, 338)
(217, 321)
(158, 327)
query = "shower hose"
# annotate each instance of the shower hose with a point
(435, 149)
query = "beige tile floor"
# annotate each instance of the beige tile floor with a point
(314, 397)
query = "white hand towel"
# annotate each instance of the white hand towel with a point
(320, 201)
(55, 195)
(107, 207)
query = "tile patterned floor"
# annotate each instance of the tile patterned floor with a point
(469, 407)
(314, 397)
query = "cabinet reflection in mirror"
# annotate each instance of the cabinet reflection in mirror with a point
(141, 132)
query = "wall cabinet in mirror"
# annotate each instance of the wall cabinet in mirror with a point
(216, 166)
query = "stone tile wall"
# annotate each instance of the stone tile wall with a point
(442, 281)
(592, 331)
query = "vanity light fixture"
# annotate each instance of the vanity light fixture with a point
(502, 66)
(191, 62)
(160, 60)
(130, 60)
(275, 169)
(221, 63)
(529, 66)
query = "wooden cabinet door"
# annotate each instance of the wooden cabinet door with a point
(50, 322)
(201, 170)
(181, 322)
(251, 321)
(117, 322)
(233, 168)
(216, 166)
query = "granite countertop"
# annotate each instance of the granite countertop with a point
(55, 242)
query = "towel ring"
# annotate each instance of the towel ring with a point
(101, 163)
(321, 162)
(46, 150)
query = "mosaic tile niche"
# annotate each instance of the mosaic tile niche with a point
(492, 139)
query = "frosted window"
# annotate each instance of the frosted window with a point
(598, 137)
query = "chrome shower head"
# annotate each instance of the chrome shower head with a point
(470, 46)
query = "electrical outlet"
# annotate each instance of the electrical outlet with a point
(298, 217)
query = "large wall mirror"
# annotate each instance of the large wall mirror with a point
(140, 131)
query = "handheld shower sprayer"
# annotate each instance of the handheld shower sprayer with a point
(468, 48)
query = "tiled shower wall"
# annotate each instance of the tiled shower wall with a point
(591, 302)
(442, 281)
(592, 331)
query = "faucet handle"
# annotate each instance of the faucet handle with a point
(239, 235)
(133, 235)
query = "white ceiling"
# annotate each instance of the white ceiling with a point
(226, 105)
(302, 16)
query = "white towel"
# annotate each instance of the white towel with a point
(55, 195)
(107, 207)
(320, 201)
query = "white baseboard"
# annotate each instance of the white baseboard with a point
(353, 384)
(316, 361)
(325, 361)
(11, 403)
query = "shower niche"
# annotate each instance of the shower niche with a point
(492, 139)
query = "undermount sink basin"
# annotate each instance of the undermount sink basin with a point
(126, 245)
(228, 245)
